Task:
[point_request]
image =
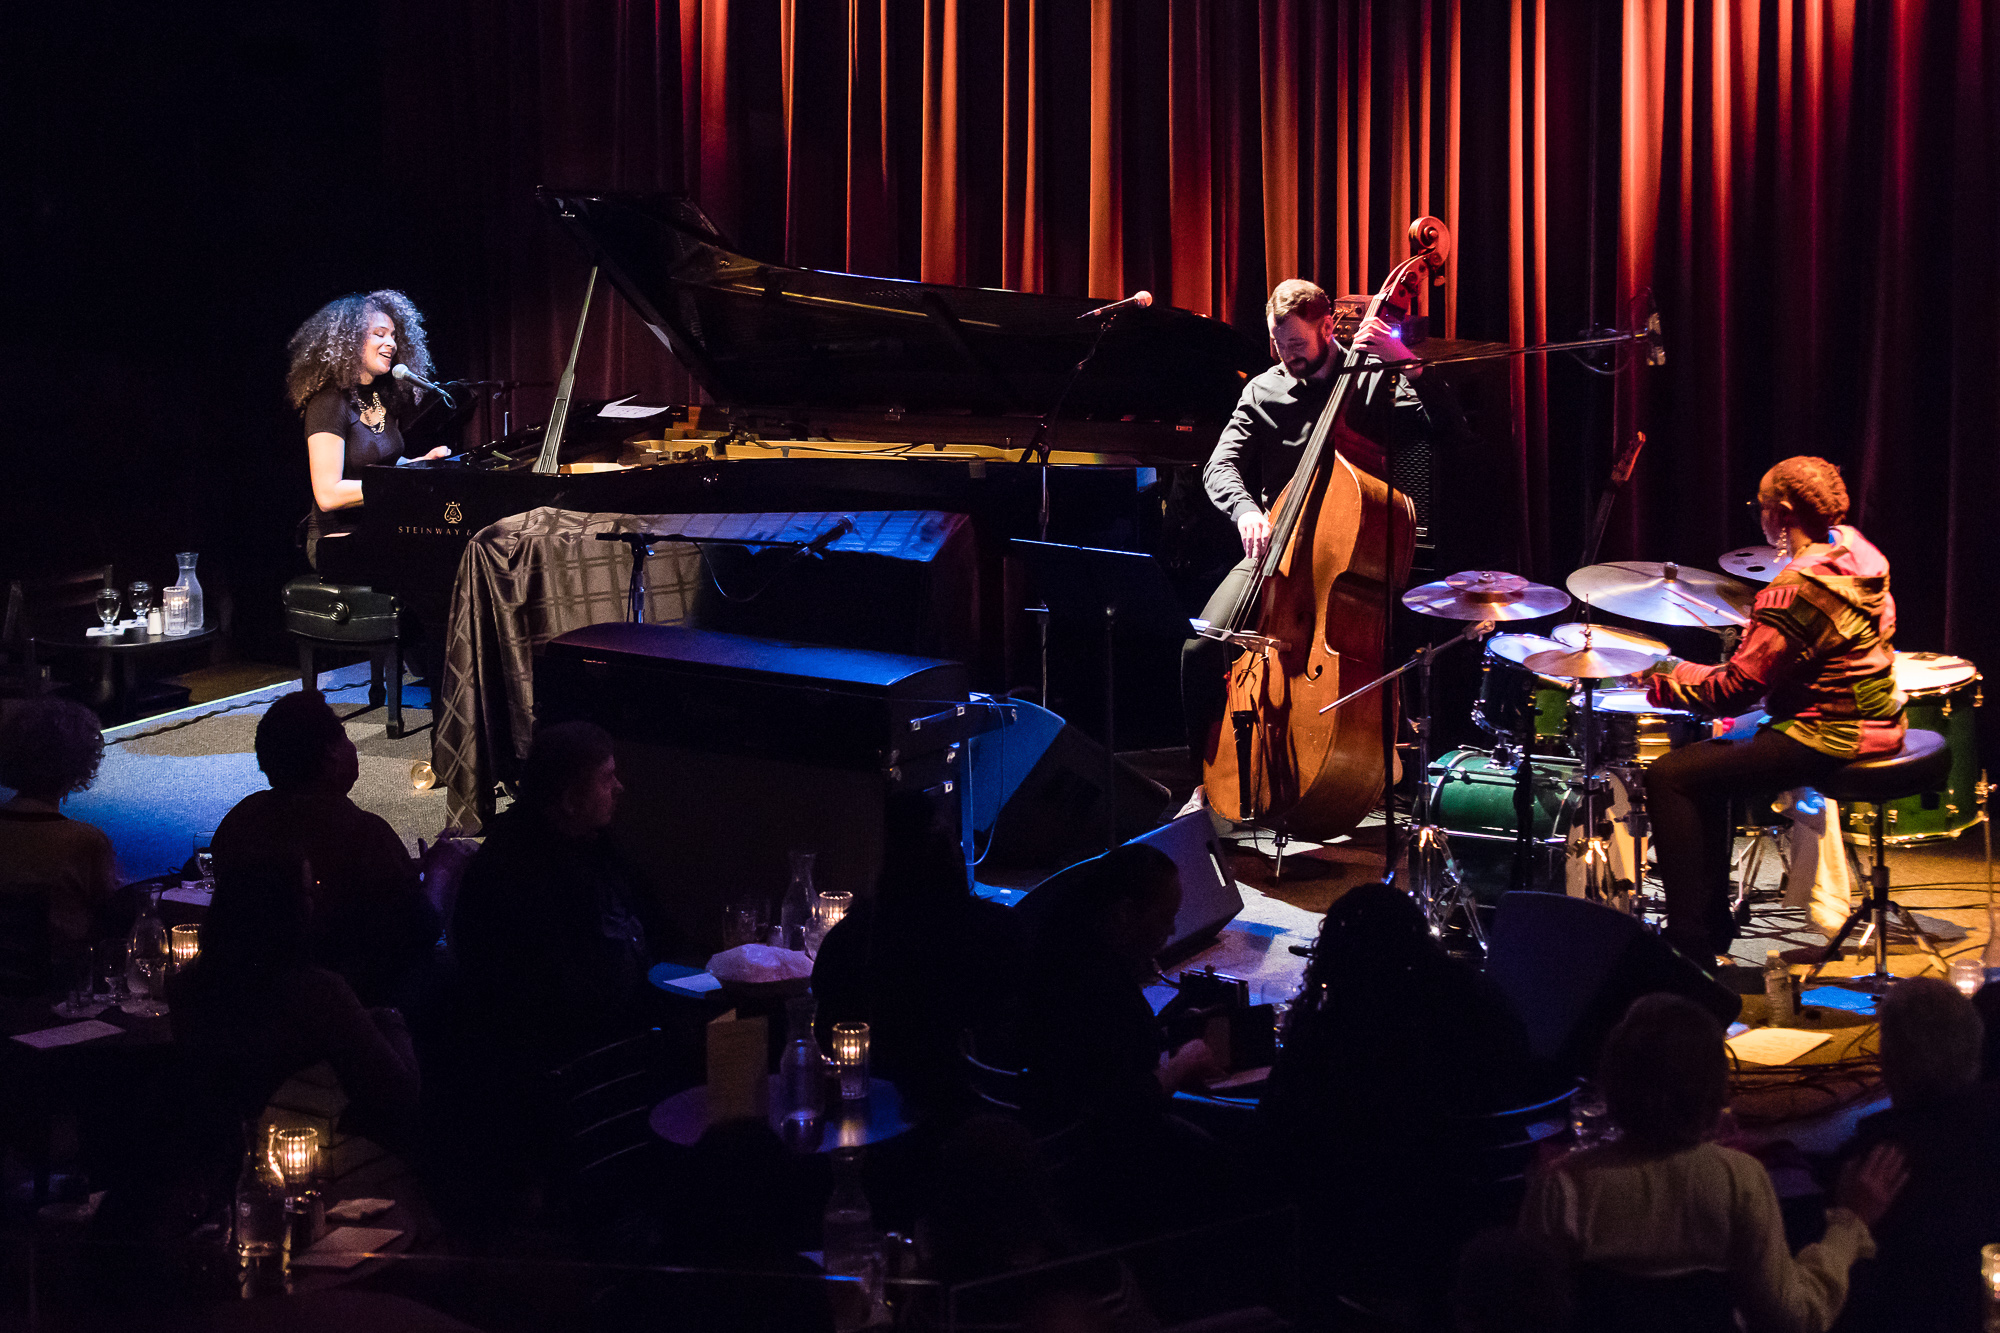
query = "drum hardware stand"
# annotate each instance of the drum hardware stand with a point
(1879, 910)
(1430, 855)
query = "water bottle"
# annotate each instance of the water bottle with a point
(852, 1246)
(146, 963)
(795, 914)
(801, 1079)
(1778, 988)
(263, 1238)
(196, 618)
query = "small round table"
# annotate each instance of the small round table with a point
(127, 650)
(683, 1117)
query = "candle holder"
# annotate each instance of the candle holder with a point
(850, 1060)
(185, 942)
(297, 1154)
(1968, 975)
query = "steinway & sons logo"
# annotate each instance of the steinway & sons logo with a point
(453, 517)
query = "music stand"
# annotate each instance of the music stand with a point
(1124, 590)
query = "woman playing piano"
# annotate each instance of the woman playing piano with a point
(341, 382)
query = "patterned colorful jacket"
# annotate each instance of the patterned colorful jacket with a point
(1819, 651)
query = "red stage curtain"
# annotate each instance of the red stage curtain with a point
(1803, 183)
(1808, 186)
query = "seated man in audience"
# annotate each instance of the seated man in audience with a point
(1664, 1202)
(1098, 1070)
(370, 919)
(50, 749)
(1947, 1124)
(924, 962)
(551, 950)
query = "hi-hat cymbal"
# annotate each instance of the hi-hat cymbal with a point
(1486, 594)
(1576, 634)
(1758, 563)
(1664, 594)
(1597, 663)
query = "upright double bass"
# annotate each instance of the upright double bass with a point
(1314, 625)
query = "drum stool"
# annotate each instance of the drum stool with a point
(1921, 765)
(352, 617)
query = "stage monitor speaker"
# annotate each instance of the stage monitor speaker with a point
(1210, 898)
(1035, 792)
(1572, 968)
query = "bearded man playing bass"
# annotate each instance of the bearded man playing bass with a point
(1260, 448)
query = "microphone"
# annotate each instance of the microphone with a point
(403, 372)
(817, 546)
(1136, 301)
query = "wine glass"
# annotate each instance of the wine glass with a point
(138, 599)
(108, 602)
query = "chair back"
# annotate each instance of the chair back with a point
(44, 606)
(25, 941)
(1613, 1302)
(1492, 1153)
(603, 1152)
(997, 1087)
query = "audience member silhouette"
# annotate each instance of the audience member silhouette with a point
(552, 953)
(923, 962)
(60, 873)
(254, 1009)
(1098, 1069)
(370, 920)
(1947, 1125)
(1662, 1202)
(1390, 1044)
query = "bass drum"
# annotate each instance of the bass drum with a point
(1472, 799)
(1945, 696)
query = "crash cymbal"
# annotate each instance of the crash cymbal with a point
(1597, 663)
(1486, 594)
(1664, 594)
(1518, 648)
(1758, 563)
(1576, 634)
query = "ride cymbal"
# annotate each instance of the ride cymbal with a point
(1758, 563)
(1664, 594)
(1485, 594)
(1576, 634)
(1596, 663)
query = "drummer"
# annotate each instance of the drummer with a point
(1818, 653)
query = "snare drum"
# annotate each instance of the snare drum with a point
(1633, 730)
(1516, 705)
(1945, 696)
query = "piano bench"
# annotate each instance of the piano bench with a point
(351, 617)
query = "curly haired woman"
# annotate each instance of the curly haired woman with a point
(49, 749)
(1818, 653)
(341, 382)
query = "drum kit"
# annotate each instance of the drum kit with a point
(1558, 800)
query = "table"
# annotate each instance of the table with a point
(683, 1117)
(95, 1079)
(126, 652)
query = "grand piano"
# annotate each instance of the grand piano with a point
(832, 391)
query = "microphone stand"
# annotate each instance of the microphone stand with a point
(1040, 445)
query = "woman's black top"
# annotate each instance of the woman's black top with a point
(365, 418)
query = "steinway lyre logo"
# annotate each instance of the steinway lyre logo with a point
(452, 513)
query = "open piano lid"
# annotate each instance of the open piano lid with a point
(763, 335)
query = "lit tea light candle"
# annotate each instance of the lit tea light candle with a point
(1968, 974)
(185, 941)
(850, 1058)
(830, 908)
(1989, 1269)
(297, 1151)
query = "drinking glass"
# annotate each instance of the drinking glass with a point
(174, 601)
(147, 979)
(1590, 1118)
(138, 599)
(113, 961)
(1968, 975)
(746, 921)
(73, 974)
(108, 602)
(204, 857)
